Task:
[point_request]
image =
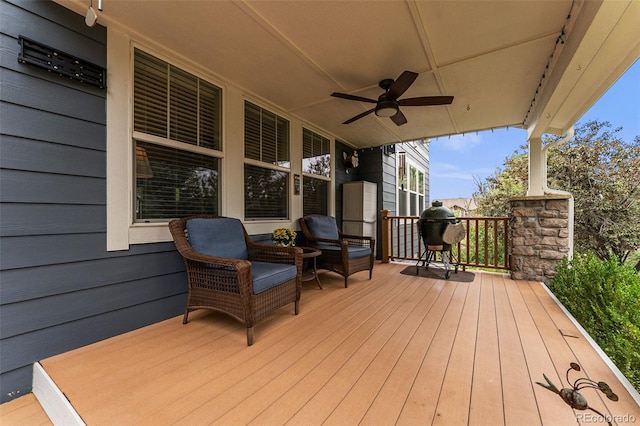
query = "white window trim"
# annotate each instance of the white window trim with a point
(332, 143)
(122, 231)
(410, 163)
(119, 143)
(314, 176)
(261, 223)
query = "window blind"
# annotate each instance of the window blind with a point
(173, 183)
(266, 136)
(316, 157)
(150, 95)
(314, 196)
(265, 193)
(174, 104)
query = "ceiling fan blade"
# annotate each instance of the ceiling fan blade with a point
(426, 100)
(399, 118)
(359, 116)
(353, 97)
(401, 85)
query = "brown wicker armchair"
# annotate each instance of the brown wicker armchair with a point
(228, 272)
(341, 253)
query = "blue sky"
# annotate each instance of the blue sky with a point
(456, 161)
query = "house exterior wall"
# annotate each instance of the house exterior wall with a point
(341, 176)
(416, 153)
(379, 166)
(59, 287)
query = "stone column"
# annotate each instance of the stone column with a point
(539, 236)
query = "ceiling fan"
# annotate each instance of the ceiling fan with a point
(388, 104)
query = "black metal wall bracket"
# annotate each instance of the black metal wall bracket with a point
(61, 63)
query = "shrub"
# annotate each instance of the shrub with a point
(604, 297)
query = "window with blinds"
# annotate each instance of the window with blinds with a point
(266, 136)
(172, 183)
(316, 161)
(265, 193)
(316, 157)
(173, 104)
(177, 139)
(314, 196)
(266, 186)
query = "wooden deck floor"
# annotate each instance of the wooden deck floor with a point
(23, 411)
(394, 350)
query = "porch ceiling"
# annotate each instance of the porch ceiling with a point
(490, 55)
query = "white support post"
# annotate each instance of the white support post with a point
(537, 168)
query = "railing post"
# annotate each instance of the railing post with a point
(385, 235)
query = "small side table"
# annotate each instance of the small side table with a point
(310, 253)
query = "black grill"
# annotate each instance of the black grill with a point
(432, 223)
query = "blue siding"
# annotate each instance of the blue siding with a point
(59, 287)
(375, 166)
(341, 176)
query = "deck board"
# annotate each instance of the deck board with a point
(590, 362)
(519, 401)
(354, 405)
(422, 399)
(486, 406)
(538, 360)
(391, 398)
(23, 411)
(455, 395)
(396, 349)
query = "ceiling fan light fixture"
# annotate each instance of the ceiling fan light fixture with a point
(388, 103)
(386, 109)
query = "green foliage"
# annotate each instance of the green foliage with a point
(602, 173)
(604, 297)
(490, 254)
(493, 194)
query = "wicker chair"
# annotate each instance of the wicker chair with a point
(341, 253)
(228, 272)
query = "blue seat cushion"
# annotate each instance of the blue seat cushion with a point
(323, 227)
(266, 275)
(222, 237)
(353, 252)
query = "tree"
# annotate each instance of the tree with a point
(603, 174)
(494, 192)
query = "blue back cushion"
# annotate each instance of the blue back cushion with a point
(323, 226)
(222, 237)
